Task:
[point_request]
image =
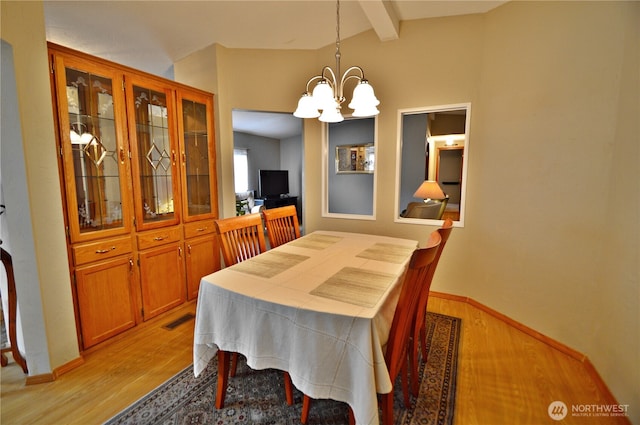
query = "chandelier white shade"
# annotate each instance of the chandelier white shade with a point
(328, 94)
(80, 136)
(83, 139)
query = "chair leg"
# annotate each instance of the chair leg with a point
(234, 364)
(386, 401)
(288, 388)
(405, 387)
(423, 341)
(413, 366)
(223, 378)
(306, 404)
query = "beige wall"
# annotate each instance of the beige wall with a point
(550, 240)
(46, 306)
(260, 80)
(555, 113)
(615, 346)
(553, 159)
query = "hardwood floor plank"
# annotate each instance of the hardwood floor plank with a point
(110, 379)
(507, 377)
(504, 375)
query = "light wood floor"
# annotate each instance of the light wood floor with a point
(504, 375)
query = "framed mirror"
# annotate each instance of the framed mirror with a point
(431, 169)
(355, 158)
(349, 172)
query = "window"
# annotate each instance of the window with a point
(241, 170)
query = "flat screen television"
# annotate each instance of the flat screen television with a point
(274, 183)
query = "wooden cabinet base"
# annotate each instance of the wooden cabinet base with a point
(105, 299)
(136, 156)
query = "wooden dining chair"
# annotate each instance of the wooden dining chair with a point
(401, 328)
(418, 338)
(241, 238)
(282, 225)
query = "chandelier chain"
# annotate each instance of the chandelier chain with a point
(328, 94)
(338, 37)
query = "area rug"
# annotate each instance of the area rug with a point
(257, 396)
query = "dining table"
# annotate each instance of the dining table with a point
(319, 307)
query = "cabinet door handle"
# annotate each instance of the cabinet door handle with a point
(189, 249)
(130, 264)
(201, 229)
(121, 155)
(179, 252)
(184, 158)
(173, 157)
(160, 238)
(104, 251)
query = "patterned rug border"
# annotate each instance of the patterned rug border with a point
(186, 399)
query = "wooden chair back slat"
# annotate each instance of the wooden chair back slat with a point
(421, 311)
(282, 225)
(415, 277)
(241, 238)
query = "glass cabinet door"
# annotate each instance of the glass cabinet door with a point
(91, 115)
(152, 136)
(195, 116)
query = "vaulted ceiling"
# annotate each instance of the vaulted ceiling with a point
(152, 35)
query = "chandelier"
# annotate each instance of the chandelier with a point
(328, 94)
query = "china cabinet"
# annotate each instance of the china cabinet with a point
(198, 186)
(106, 304)
(154, 146)
(137, 169)
(94, 149)
(200, 240)
(161, 271)
(196, 152)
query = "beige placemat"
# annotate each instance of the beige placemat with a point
(355, 286)
(315, 241)
(387, 252)
(269, 264)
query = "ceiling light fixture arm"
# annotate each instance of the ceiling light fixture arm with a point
(328, 94)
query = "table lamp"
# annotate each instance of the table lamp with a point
(429, 190)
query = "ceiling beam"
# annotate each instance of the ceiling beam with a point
(382, 17)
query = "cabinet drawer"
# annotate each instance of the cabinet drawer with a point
(101, 250)
(158, 237)
(199, 228)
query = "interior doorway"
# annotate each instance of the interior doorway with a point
(267, 141)
(449, 171)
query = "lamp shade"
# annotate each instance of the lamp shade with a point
(83, 139)
(363, 96)
(323, 95)
(365, 111)
(429, 189)
(75, 137)
(331, 114)
(306, 107)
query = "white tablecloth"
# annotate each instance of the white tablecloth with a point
(319, 307)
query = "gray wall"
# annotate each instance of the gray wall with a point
(291, 159)
(350, 193)
(265, 153)
(414, 133)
